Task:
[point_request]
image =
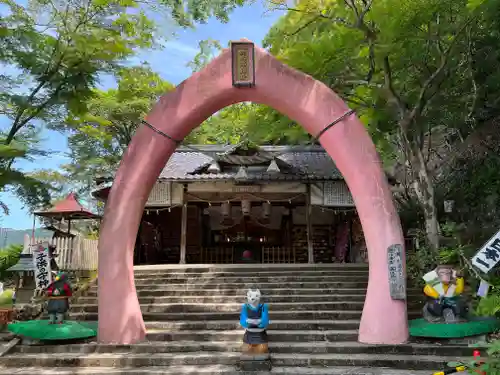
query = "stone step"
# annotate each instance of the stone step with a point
(340, 347)
(245, 273)
(252, 279)
(215, 298)
(275, 315)
(229, 307)
(247, 285)
(236, 307)
(205, 370)
(241, 292)
(396, 361)
(235, 335)
(207, 268)
(237, 299)
(276, 324)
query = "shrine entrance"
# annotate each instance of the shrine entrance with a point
(247, 73)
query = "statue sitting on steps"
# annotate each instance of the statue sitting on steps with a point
(254, 318)
(444, 288)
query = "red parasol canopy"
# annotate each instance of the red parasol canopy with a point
(69, 209)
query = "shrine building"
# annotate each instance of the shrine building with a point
(217, 204)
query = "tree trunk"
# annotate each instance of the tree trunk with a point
(424, 190)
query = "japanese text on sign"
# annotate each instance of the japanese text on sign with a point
(242, 64)
(489, 255)
(397, 277)
(41, 260)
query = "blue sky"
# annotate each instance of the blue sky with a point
(251, 22)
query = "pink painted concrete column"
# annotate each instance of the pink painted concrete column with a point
(301, 98)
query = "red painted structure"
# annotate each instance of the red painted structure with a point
(300, 97)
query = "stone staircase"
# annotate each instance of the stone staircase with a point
(192, 315)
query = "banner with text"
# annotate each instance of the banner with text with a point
(41, 262)
(489, 255)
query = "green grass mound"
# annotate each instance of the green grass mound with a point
(42, 330)
(6, 298)
(474, 327)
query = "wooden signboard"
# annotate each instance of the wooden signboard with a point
(397, 277)
(243, 64)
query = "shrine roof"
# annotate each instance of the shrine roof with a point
(25, 263)
(296, 163)
(68, 208)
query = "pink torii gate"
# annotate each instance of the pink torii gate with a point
(300, 97)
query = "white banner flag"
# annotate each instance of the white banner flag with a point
(41, 262)
(489, 255)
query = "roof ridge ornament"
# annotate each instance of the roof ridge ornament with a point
(273, 167)
(242, 173)
(214, 167)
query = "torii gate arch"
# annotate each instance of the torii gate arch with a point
(300, 97)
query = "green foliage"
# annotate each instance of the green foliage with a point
(9, 256)
(53, 53)
(208, 49)
(26, 186)
(56, 66)
(418, 263)
(6, 298)
(491, 365)
(476, 201)
(488, 306)
(413, 70)
(187, 13)
(100, 134)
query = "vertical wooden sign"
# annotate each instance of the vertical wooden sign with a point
(243, 64)
(397, 276)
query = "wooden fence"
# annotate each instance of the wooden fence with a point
(74, 254)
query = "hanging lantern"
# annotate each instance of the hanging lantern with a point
(266, 210)
(246, 207)
(448, 206)
(226, 209)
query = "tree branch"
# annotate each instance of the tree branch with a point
(389, 85)
(445, 54)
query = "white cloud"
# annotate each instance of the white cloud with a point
(181, 49)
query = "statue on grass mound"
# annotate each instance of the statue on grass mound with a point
(444, 288)
(254, 318)
(446, 314)
(58, 294)
(56, 328)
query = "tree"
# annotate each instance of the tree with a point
(100, 134)
(408, 67)
(53, 52)
(26, 186)
(58, 49)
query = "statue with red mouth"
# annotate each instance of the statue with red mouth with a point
(254, 318)
(58, 294)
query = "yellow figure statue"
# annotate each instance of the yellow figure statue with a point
(444, 287)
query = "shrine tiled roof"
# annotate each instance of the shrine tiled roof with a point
(296, 163)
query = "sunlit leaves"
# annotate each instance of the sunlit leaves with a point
(101, 132)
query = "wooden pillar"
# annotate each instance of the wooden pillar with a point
(183, 233)
(310, 247)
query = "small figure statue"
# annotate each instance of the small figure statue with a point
(53, 255)
(444, 287)
(58, 293)
(254, 318)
